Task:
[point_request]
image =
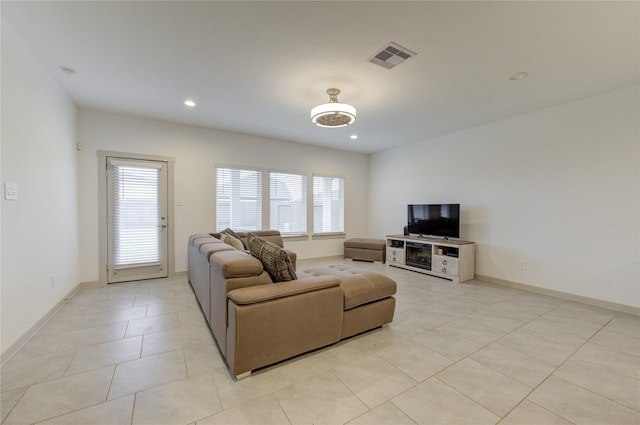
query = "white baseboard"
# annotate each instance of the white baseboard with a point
(559, 294)
(97, 284)
(9, 352)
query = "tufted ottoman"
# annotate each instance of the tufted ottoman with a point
(368, 296)
(365, 249)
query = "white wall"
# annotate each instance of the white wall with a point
(39, 230)
(557, 189)
(196, 152)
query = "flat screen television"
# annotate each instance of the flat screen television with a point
(442, 220)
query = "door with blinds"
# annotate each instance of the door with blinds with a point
(137, 207)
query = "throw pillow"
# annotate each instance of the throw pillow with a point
(274, 259)
(230, 240)
(235, 235)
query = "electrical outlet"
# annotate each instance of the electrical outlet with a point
(523, 266)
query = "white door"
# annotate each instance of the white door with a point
(137, 206)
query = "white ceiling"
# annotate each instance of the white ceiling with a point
(259, 67)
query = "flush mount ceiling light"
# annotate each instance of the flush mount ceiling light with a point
(333, 114)
(190, 103)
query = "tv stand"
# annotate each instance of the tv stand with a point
(449, 259)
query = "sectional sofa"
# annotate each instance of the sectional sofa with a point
(257, 322)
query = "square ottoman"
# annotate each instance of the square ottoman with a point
(364, 249)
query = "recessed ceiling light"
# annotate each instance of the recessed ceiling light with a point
(353, 136)
(518, 76)
(67, 71)
(190, 103)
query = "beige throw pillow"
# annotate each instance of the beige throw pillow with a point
(230, 240)
(235, 235)
(274, 259)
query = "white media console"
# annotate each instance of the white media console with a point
(449, 259)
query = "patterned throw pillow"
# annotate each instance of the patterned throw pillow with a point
(230, 240)
(274, 259)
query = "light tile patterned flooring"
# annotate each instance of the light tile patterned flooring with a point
(472, 353)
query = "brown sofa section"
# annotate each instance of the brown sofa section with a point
(200, 248)
(256, 322)
(270, 323)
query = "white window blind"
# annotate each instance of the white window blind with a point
(328, 204)
(238, 199)
(288, 202)
(134, 209)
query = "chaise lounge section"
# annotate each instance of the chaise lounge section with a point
(257, 322)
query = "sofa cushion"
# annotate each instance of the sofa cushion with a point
(261, 293)
(275, 260)
(201, 240)
(209, 248)
(359, 286)
(193, 238)
(235, 264)
(230, 240)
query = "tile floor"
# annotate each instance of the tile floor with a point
(140, 353)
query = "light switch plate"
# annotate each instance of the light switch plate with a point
(11, 191)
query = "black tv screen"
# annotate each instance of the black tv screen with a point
(434, 220)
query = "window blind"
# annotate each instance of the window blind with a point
(134, 209)
(288, 202)
(328, 204)
(238, 199)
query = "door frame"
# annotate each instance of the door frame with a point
(102, 208)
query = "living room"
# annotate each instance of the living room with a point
(551, 195)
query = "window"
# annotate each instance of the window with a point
(288, 203)
(238, 199)
(328, 204)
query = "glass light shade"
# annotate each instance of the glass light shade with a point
(333, 115)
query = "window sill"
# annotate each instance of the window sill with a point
(336, 235)
(302, 237)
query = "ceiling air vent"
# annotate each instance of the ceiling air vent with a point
(391, 55)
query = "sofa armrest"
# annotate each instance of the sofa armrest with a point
(261, 293)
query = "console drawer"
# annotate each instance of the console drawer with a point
(444, 264)
(395, 255)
